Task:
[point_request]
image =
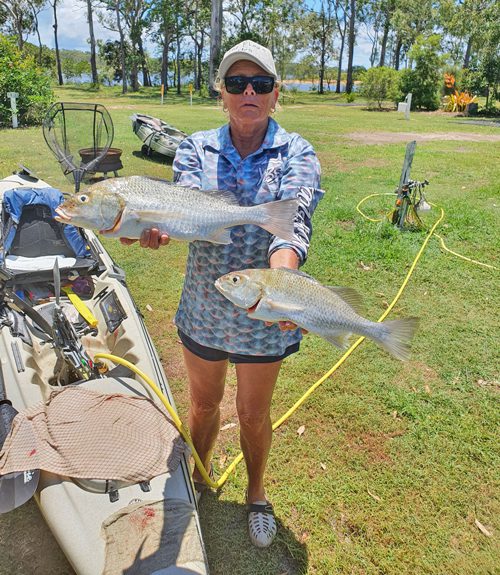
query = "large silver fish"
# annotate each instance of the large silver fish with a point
(124, 207)
(331, 312)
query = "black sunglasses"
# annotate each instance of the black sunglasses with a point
(238, 84)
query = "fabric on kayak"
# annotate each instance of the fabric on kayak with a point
(85, 434)
(150, 536)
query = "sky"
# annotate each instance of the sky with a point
(73, 31)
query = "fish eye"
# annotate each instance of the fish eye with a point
(235, 279)
(83, 198)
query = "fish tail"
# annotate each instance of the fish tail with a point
(279, 217)
(396, 335)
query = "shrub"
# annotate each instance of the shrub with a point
(457, 102)
(381, 84)
(424, 81)
(19, 73)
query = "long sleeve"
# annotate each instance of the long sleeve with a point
(301, 180)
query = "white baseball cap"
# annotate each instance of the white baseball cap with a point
(248, 50)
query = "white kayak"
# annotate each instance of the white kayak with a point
(97, 523)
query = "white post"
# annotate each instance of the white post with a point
(13, 107)
(408, 106)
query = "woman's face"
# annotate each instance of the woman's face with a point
(248, 107)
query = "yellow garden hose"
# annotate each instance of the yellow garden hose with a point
(184, 432)
(443, 245)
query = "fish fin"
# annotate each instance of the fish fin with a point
(224, 195)
(340, 340)
(349, 295)
(397, 336)
(279, 219)
(220, 236)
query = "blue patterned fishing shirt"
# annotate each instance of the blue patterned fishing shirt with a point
(285, 166)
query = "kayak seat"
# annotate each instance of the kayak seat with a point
(32, 240)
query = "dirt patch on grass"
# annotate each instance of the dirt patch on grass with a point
(373, 445)
(421, 377)
(373, 138)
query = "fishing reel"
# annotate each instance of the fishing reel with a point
(410, 204)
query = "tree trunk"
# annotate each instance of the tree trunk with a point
(339, 71)
(122, 49)
(468, 52)
(383, 46)
(397, 53)
(351, 40)
(164, 58)
(341, 54)
(146, 78)
(215, 44)
(200, 55)
(93, 60)
(178, 59)
(58, 56)
(37, 30)
(322, 65)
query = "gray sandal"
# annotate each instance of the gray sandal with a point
(262, 526)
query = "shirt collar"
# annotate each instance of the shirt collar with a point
(220, 140)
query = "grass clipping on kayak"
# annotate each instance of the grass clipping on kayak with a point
(90, 435)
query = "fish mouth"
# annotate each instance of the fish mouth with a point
(62, 216)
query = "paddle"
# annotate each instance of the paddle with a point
(18, 487)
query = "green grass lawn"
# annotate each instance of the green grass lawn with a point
(398, 461)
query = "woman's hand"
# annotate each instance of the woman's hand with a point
(287, 326)
(285, 258)
(152, 239)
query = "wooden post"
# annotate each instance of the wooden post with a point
(399, 214)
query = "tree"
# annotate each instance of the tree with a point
(341, 19)
(410, 19)
(320, 28)
(425, 79)
(283, 20)
(198, 22)
(350, 43)
(18, 19)
(19, 73)
(381, 84)
(53, 3)
(215, 43)
(92, 42)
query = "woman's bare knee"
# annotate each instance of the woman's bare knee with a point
(251, 418)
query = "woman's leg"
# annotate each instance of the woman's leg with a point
(253, 401)
(206, 388)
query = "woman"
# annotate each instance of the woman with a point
(253, 157)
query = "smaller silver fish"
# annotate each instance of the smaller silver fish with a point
(125, 207)
(331, 312)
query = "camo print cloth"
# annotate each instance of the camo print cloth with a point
(285, 166)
